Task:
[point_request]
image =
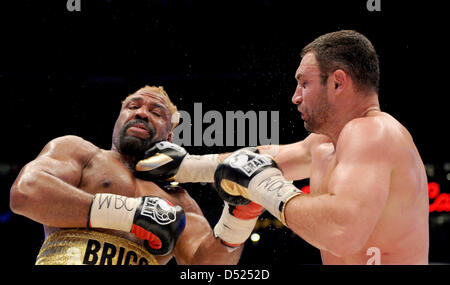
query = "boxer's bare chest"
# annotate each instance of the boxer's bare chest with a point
(106, 173)
(322, 166)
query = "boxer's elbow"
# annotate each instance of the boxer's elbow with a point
(24, 192)
(16, 199)
(349, 240)
(345, 245)
(338, 239)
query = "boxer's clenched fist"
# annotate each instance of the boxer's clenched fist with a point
(161, 162)
(152, 219)
(233, 175)
(247, 176)
(166, 161)
(236, 223)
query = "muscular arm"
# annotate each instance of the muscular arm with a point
(342, 220)
(197, 244)
(294, 159)
(45, 190)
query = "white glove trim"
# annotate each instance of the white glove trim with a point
(233, 230)
(272, 191)
(112, 211)
(197, 168)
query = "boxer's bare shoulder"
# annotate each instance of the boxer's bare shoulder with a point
(364, 133)
(64, 157)
(381, 133)
(70, 146)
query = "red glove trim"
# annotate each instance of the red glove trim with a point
(247, 212)
(142, 233)
(230, 244)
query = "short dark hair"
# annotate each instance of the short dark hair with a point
(350, 51)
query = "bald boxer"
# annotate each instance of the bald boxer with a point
(96, 208)
(368, 201)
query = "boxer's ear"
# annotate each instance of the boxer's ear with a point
(340, 79)
(169, 136)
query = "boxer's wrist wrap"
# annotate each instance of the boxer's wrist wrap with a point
(110, 211)
(233, 231)
(197, 168)
(272, 191)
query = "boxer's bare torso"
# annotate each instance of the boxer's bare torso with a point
(57, 188)
(104, 172)
(400, 234)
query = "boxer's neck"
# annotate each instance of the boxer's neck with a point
(127, 160)
(359, 107)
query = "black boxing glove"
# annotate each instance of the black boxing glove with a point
(152, 219)
(166, 161)
(247, 176)
(161, 162)
(233, 175)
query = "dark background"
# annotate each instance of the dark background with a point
(66, 72)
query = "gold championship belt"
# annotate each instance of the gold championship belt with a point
(83, 247)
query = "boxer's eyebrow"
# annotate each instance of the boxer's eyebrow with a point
(157, 105)
(135, 98)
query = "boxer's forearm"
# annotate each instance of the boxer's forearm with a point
(212, 251)
(222, 156)
(198, 245)
(294, 159)
(48, 200)
(167, 160)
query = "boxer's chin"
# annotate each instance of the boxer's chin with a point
(134, 146)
